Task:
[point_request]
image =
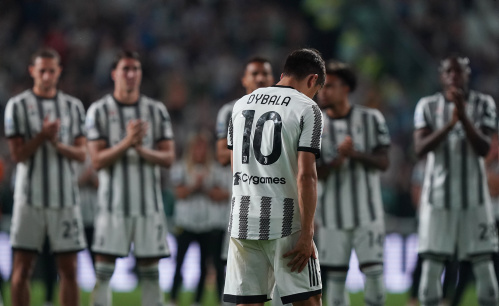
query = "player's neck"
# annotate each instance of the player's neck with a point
(47, 93)
(339, 110)
(126, 97)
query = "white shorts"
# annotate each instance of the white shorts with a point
(114, 235)
(31, 225)
(472, 231)
(336, 245)
(255, 267)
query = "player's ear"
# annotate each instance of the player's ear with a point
(31, 69)
(282, 74)
(312, 80)
(113, 74)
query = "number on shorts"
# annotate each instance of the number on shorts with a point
(487, 231)
(71, 229)
(376, 238)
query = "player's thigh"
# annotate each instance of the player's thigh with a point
(67, 264)
(112, 235)
(438, 229)
(477, 232)
(149, 237)
(249, 276)
(65, 230)
(335, 247)
(294, 286)
(28, 228)
(368, 241)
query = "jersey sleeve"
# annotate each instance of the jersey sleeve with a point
(488, 117)
(230, 134)
(381, 131)
(79, 126)
(94, 124)
(311, 130)
(166, 130)
(420, 116)
(223, 118)
(14, 120)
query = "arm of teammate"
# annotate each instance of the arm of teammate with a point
(307, 201)
(76, 152)
(377, 159)
(223, 153)
(164, 155)
(103, 157)
(21, 150)
(425, 140)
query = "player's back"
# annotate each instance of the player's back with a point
(267, 129)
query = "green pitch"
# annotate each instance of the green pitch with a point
(186, 298)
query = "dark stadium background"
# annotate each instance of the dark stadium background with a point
(192, 54)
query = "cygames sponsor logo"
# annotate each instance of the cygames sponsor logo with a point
(255, 180)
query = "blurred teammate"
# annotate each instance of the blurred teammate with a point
(130, 137)
(354, 151)
(454, 127)
(275, 135)
(45, 131)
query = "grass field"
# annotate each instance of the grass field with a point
(133, 298)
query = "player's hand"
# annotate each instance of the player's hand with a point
(133, 131)
(301, 253)
(455, 117)
(456, 95)
(50, 128)
(346, 147)
(143, 131)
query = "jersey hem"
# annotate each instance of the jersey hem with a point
(245, 299)
(69, 251)
(229, 147)
(299, 296)
(26, 249)
(317, 152)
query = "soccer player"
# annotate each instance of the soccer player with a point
(45, 128)
(453, 127)
(275, 135)
(354, 151)
(130, 137)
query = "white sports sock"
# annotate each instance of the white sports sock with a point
(336, 292)
(149, 280)
(430, 286)
(374, 288)
(101, 295)
(486, 282)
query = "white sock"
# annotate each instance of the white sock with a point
(374, 288)
(430, 286)
(101, 295)
(149, 280)
(337, 294)
(486, 282)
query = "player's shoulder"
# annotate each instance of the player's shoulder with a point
(28, 93)
(434, 98)
(227, 107)
(482, 96)
(99, 104)
(361, 109)
(70, 99)
(150, 102)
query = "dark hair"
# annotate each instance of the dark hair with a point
(45, 53)
(303, 62)
(463, 61)
(124, 54)
(256, 59)
(344, 72)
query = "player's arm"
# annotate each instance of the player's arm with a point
(426, 140)
(223, 153)
(76, 152)
(324, 169)
(307, 201)
(377, 159)
(163, 155)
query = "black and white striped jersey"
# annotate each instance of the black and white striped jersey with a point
(267, 129)
(223, 118)
(130, 186)
(352, 195)
(47, 178)
(455, 174)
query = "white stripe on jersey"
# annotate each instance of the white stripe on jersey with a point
(47, 179)
(130, 186)
(267, 129)
(455, 174)
(352, 195)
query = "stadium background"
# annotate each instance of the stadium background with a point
(193, 53)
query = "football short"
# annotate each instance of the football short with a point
(31, 225)
(336, 245)
(472, 231)
(114, 235)
(255, 267)
(225, 247)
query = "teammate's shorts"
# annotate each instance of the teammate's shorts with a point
(225, 247)
(114, 235)
(471, 230)
(336, 245)
(31, 225)
(255, 267)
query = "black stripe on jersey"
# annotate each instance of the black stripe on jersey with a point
(15, 114)
(464, 173)
(337, 179)
(78, 125)
(447, 160)
(124, 165)
(153, 132)
(111, 167)
(231, 214)
(141, 170)
(265, 208)
(231, 133)
(227, 120)
(71, 121)
(59, 158)
(45, 161)
(309, 273)
(315, 143)
(32, 158)
(287, 219)
(367, 148)
(432, 105)
(353, 179)
(476, 114)
(153, 122)
(243, 217)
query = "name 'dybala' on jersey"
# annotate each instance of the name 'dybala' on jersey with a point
(255, 180)
(268, 99)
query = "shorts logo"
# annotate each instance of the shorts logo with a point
(255, 180)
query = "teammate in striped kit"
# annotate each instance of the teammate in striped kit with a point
(45, 128)
(130, 137)
(453, 128)
(354, 150)
(275, 135)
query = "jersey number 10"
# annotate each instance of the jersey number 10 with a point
(257, 139)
